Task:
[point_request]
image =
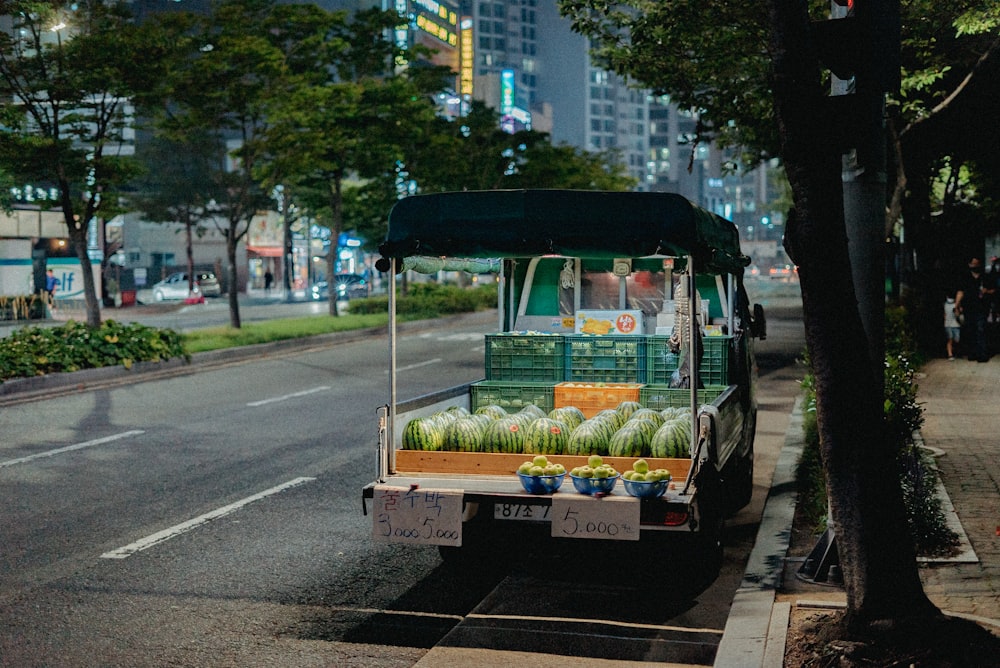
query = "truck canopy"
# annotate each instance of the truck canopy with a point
(571, 223)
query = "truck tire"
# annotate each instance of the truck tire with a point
(738, 483)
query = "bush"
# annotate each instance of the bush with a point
(903, 417)
(36, 351)
(430, 300)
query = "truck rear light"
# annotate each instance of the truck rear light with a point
(669, 515)
(675, 518)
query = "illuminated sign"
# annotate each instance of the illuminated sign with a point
(436, 19)
(468, 57)
(506, 91)
(437, 30)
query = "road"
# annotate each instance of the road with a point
(215, 519)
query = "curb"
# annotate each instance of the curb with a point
(755, 633)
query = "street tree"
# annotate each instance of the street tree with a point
(951, 65)
(177, 185)
(68, 76)
(348, 118)
(218, 85)
(753, 73)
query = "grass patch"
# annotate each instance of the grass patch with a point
(217, 338)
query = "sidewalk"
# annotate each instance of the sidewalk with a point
(961, 424)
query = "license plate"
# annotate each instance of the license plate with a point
(521, 511)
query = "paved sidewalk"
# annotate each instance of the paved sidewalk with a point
(961, 402)
(962, 419)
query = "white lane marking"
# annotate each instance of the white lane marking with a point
(436, 360)
(286, 397)
(183, 527)
(69, 448)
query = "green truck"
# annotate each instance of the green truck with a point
(608, 303)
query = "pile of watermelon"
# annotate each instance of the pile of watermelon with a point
(630, 430)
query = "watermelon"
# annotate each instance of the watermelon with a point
(590, 438)
(480, 419)
(617, 419)
(683, 425)
(665, 441)
(459, 411)
(422, 434)
(632, 440)
(671, 412)
(626, 408)
(463, 435)
(648, 427)
(571, 415)
(648, 414)
(504, 435)
(523, 419)
(493, 411)
(444, 418)
(532, 409)
(671, 440)
(546, 436)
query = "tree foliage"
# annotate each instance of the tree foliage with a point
(68, 74)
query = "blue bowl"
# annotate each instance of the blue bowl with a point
(594, 485)
(541, 484)
(645, 490)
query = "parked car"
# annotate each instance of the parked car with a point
(348, 286)
(785, 271)
(175, 286)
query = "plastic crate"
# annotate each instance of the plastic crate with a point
(512, 397)
(592, 398)
(660, 363)
(525, 357)
(605, 359)
(659, 397)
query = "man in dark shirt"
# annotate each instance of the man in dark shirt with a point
(972, 300)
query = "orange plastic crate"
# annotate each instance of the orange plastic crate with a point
(592, 398)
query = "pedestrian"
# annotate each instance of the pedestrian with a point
(51, 283)
(268, 280)
(952, 326)
(972, 302)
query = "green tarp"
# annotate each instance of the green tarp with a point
(572, 223)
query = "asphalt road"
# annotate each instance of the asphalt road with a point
(214, 519)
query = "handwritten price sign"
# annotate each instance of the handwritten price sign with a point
(609, 517)
(417, 516)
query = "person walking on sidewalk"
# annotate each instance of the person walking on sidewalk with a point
(975, 291)
(952, 327)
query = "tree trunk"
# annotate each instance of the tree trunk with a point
(231, 275)
(78, 237)
(876, 552)
(336, 227)
(189, 249)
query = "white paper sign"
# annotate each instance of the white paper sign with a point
(582, 516)
(417, 515)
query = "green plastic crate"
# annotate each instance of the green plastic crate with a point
(512, 396)
(660, 363)
(605, 359)
(525, 357)
(659, 397)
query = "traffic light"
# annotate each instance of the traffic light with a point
(861, 41)
(859, 44)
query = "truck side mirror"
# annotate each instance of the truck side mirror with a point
(758, 325)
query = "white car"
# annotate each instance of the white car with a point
(175, 286)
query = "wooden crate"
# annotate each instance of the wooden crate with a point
(592, 398)
(496, 463)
